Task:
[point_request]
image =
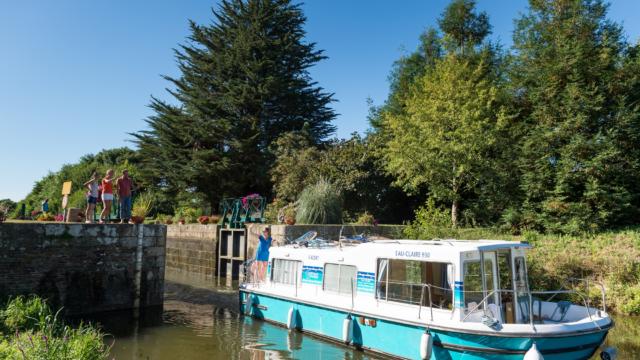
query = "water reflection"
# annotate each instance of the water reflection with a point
(201, 321)
(193, 325)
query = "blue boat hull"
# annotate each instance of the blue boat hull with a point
(402, 340)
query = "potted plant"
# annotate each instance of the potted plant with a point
(290, 215)
(203, 220)
(141, 208)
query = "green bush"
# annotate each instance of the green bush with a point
(431, 222)
(190, 215)
(30, 330)
(25, 313)
(365, 219)
(320, 203)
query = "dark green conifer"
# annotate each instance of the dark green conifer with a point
(244, 81)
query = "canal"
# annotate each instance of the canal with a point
(200, 321)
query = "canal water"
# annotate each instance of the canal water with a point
(200, 321)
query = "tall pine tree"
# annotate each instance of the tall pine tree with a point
(244, 82)
(578, 162)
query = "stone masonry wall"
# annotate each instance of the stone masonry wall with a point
(191, 249)
(85, 268)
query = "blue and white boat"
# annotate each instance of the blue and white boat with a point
(425, 300)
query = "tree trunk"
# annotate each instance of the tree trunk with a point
(454, 213)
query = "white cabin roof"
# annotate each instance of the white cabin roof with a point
(436, 250)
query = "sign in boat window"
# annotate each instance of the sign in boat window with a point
(340, 278)
(286, 271)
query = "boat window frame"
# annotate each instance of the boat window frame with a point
(297, 283)
(355, 278)
(386, 297)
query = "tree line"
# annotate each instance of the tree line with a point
(542, 135)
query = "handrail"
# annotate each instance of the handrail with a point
(428, 286)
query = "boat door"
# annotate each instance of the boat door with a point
(497, 284)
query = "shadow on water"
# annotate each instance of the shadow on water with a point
(200, 320)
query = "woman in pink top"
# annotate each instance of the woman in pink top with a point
(107, 195)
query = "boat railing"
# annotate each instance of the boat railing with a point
(534, 296)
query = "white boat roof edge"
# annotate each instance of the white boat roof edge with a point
(480, 245)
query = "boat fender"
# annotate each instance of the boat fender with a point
(426, 345)
(347, 329)
(609, 353)
(248, 305)
(291, 318)
(533, 354)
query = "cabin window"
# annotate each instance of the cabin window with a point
(340, 278)
(473, 292)
(405, 280)
(285, 271)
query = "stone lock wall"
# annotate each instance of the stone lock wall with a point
(191, 249)
(85, 268)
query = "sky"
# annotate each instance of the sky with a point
(76, 76)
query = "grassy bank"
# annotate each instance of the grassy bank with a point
(30, 330)
(612, 258)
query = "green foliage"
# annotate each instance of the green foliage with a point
(451, 137)
(272, 210)
(320, 203)
(462, 26)
(352, 165)
(142, 205)
(579, 159)
(190, 215)
(6, 207)
(25, 313)
(216, 142)
(365, 219)
(430, 222)
(32, 331)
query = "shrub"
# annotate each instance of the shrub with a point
(23, 313)
(431, 222)
(189, 214)
(46, 217)
(365, 219)
(320, 203)
(271, 211)
(32, 331)
(142, 205)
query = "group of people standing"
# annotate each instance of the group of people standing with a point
(103, 191)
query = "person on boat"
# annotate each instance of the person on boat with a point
(107, 196)
(262, 254)
(92, 196)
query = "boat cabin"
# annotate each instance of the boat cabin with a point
(467, 279)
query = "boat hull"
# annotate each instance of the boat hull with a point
(403, 340)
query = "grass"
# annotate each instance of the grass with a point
(612, 258)
(30, 330)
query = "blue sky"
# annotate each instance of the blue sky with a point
(76, 76)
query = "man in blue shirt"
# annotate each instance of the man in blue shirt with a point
(262, 254)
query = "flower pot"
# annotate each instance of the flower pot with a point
(289, 220)
(137, 219)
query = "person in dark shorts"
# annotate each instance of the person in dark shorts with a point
(92, 197)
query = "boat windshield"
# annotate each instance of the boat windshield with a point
(499, 287)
